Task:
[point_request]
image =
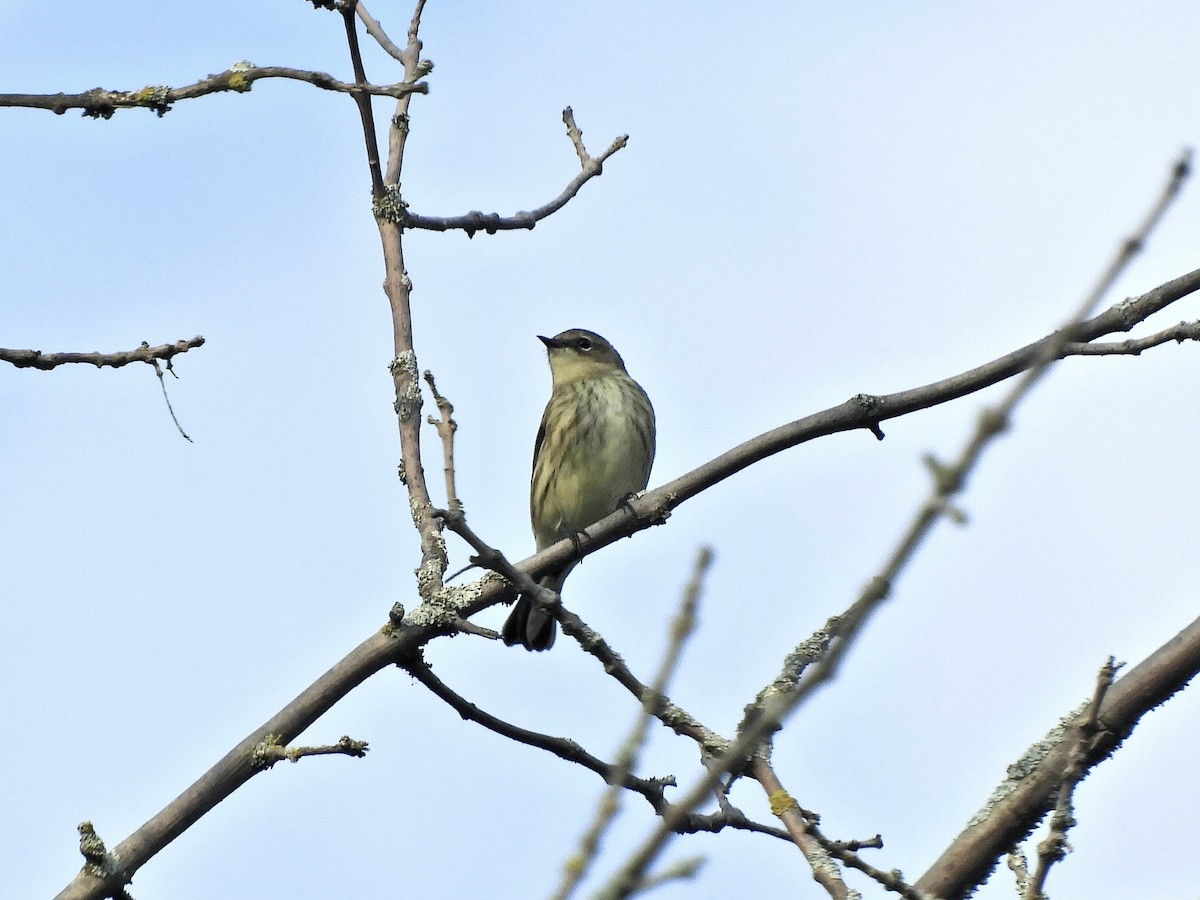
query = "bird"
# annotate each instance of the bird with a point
(593, 451)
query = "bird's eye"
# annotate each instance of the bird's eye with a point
(584, 344)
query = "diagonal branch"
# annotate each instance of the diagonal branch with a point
(1018, 804)
(382, 649)
(950, 479)
(667, 712)
(563, 748)
(670, 714)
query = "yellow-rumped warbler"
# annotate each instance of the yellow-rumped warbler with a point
(594, 449)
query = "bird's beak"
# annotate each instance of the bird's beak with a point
(550, 343)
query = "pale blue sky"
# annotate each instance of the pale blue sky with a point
(816, 200)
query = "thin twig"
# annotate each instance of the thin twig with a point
(466, 626)
(1019, 866)
(1184, 331)
(271, 751)
(809, 652)
(36, 359)
(669, 713)
(520, 580)
(446, 427)
(576, 136)
(625, 880)
(163, 384)
(845, 851)
(819, 850)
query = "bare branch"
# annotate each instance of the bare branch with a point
(1184, 331)
(415, 69)
(36, 359)
(1019, 866)
(563, 748)
(406, 382)
(670, 714)
(363, 101)
(100, 103)
(446, 426)
(590, 167)
(770, 710)
(468, 627)
(162, 383)
(399, 642)
(804, 831)
(809, 652)
(375, 30)
(825, 871)
(1141, 689)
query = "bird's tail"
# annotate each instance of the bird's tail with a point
(530, 625)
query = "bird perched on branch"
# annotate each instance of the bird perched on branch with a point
(593, 450)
